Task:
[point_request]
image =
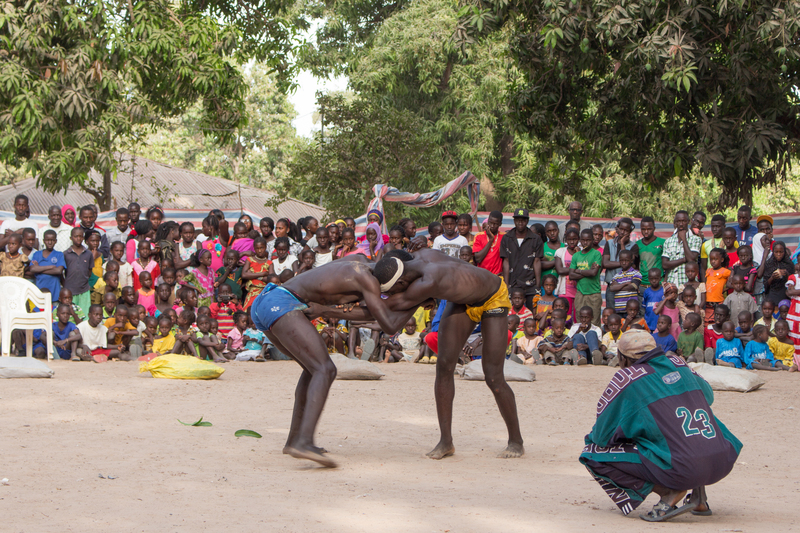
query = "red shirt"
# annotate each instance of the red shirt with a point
(223, 313)
(710, 337)
(492, 262)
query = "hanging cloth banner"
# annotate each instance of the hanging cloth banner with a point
(428, 199)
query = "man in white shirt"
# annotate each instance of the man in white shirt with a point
(450, 242)
(19, 222)
(62, 230)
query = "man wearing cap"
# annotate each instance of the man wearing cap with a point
(655, 432)
(575, 211)
(522, 250)
(450, 242)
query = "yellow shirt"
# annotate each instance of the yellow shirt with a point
(164, 344)
(422, 316)
(783, 352)
(117, 338)
(99, 290)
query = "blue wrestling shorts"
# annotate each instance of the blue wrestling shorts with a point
(272, 304)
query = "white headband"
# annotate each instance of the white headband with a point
(389, 284)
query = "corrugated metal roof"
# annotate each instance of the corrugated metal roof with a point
(149, 183)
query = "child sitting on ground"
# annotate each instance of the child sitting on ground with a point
(517, 296)
(632, 318)
(185, 335)
(94, 337)
(120, 334)
(767, 308)
(66, 337)
(745, 330)
(527, 346)
(782, 347)
(514, 333)
(408, 347)
(223, 309)
(545, 303)
(757, 355)
(690, 341)
(235, 339)
(609, 342)
(165, 339)
(76, 314)
(256, 343)
(208, 345)
(663, 335)
(729, 349)
(688, 303)
(559, 304)
(713, 332)
(585, 337)
(109, 305)
(556, 348)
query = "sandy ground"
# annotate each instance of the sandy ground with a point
(57, 436)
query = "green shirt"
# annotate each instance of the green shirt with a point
(584, 261)
(549, 255)
(650, 257)
(688, 343)
(233, 280)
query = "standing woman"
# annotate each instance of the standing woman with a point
(213, 243)
(186, 248)
(777, 269)
(142, 231)
(285, 228)
(68, 215)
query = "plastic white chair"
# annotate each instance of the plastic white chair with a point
(14, 293)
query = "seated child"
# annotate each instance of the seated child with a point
(713, 332)
(688, 303)
(208, 345)
(556, 348)
(586, 337)
(148, 336)
(186, 334)
(234, 342)
(129, 297)
(745, 330)
(607, 312)
(757, 355)
(669, 307)
(224, 308)
(109, 305)
(609, 341)
(559, 304)
(335, 335)
(514, 332)
(108, 284)
(783, 309)
(782, 347)
(729, 349)
(527, 346)
(408, 346)
(633, 319)
(663, 335)
(66, 337)
(76, 314)
(545, 303)
(690, 341)
(767, 308)
(94, 337)
(165, 339)
(120, 334)
(256, 344)
(38, 350)
(162, 304)
(517, 296)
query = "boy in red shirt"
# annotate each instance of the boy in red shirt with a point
(224, 308)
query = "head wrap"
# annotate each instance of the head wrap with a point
(635, 343)
(363, 246)
(64, 210)
(340, 221)
(758, 248)
(377, 213)
(400, 268)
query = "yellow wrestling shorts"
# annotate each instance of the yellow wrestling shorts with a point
(497, 304)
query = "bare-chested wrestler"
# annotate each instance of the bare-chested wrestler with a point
(473, 295)
(279, 312)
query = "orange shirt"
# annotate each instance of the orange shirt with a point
(715, 284)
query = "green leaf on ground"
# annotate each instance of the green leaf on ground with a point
(198, 423)
(246, 433)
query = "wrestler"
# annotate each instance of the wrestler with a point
(279, 312)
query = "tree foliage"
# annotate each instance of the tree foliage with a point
(77, 77)
(258, 153)
(667, 86)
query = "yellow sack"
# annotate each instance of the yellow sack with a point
(174, 366)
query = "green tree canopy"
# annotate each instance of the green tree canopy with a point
(667, 86)
(77, 77)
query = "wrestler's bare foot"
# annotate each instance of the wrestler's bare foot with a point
(441, 451)
(514, 449)
(316, 449)
(311, 455)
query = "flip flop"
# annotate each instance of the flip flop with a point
(707, 512)
(100, 358)
(668, 511)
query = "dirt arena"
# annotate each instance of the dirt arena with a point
(59, 436)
